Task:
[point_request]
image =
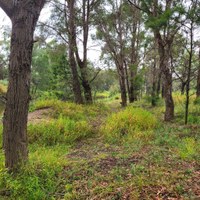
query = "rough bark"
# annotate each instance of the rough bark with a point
(122, 84)
(164, 57)
(153, 91)
(85, 83)
(24, 17)
(198, 79)
(159, 83)
(82, 63)
(187, 102)
(72, 61)
(169, 103)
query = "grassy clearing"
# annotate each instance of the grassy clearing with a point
(131, 155)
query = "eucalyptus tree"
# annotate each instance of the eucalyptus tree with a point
(72, 21)
(84, 10)
(118, 26)
(24, 16)
(164, 19)
(198, 78)
(192, 18)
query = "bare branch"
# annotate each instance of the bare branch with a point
(95, 76)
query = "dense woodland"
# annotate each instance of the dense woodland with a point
(100, 99)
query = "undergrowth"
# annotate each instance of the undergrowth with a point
(129, 124)
(70, 110)
(140, 158)
(57, 131)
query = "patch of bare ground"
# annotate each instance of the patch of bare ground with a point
(40, 115)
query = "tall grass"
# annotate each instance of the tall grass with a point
(57, 131)
(129, 123)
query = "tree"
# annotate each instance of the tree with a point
(119, 29)
(198, 78)
(163, 18)
(71, 29)
(24, 16)
(191, 19)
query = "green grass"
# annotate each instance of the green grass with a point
(39, 178)
(133, 154)
(129, 124)
(70, 110)
(58, 131)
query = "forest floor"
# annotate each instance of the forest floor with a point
(165, 166)
(98, 170)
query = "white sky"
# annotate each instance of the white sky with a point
(93, 50)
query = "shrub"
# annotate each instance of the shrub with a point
(197, 101)
(131, 122)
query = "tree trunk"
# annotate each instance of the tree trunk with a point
(86, 84)
(153, 92)
(198, 78)
(159, 83)
(127, 81)
(164, 56)
(183, 87)
(24, 19)
(167, 85)
(132, 96)
(189, 68)
(75, 82)
(198, 83)
(122, 83)
(169, 103)
(132, 89)
(72, 45)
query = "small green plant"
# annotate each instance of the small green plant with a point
(61, 130)
(38, 179)
(69, 110)
(129, 123)
(187, 149)
(197, 101)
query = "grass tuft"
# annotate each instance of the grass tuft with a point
(130, 123)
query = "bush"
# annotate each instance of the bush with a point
(129, 123)
(197, 101)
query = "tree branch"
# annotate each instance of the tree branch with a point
(138, 7)
(95, 76)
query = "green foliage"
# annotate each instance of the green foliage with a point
(51, 71)
(188, 148)
(130, 123)
(38, 179)
(57, 131)
(194, 108)
(156, 99)
(197, 101)
(70, 110)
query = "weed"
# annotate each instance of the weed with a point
(56, 131)
(187, 149)
(129, 124)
